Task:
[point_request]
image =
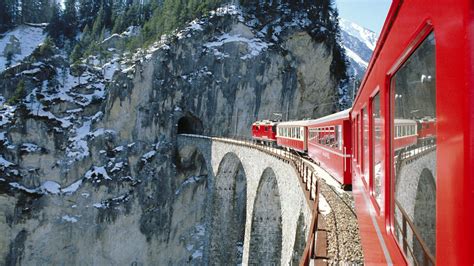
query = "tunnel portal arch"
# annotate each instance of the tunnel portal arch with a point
(266, 233)
(190, 124)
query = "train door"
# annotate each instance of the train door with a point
(413, 173)
(347, 147)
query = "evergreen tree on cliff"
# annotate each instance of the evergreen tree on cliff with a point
(6, 18)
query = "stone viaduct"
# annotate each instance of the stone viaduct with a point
(257, 213)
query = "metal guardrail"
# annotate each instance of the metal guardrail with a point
(428, 258)
(316, 247)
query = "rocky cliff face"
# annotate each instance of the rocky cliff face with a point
(89, 172)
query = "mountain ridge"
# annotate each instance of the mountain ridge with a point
(359, 44)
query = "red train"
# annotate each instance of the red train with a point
(264, 131)
(415, 204)
(327, 140)
(329, 144)
(411, 138)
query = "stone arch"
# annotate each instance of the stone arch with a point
(300, 240)
(229, 212)
(266, 233)
(425, 213)
(190, 124)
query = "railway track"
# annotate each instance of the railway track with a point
(340, 221)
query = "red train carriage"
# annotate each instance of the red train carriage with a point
(405, 133)
(292, 135)
(264, 130)
(426, 128)
(417, 208)
(329, 144)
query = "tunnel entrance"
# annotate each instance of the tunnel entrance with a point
(266, 235)
(190, 124)
(229, 212)
(425, 214)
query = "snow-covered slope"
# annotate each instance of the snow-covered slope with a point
(359, 44)
(20, 42)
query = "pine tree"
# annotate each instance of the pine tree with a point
(76, 54)
(70, 19)
(86, 36)
(55, 27)
(46, 49)
(98, 24)
(88, 11)
(19, 94)
(6, 19)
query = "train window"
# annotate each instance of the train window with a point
(361, 140)
(358, 139)
(365, 155)
(377, 150)
(414, 163)
(354, 138)
(339, 137)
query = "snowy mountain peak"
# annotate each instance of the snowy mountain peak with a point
(365, 35)
(359, 44)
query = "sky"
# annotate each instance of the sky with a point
(369, 14)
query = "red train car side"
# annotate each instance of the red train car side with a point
(426, 128)
(329, 144)
(414, 204)
(405, 134)
(293, 135)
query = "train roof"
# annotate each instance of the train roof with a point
(298, 123)
(404, 121)
(264, 122)
(336, 116)
(331, 117)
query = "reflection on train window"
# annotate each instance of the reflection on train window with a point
(414, 162)
(339, 137)
(377, 151)
(365, 145)
(357, 140)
